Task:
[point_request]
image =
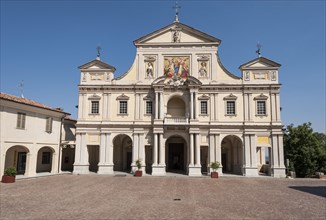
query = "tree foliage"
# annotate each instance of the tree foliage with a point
(305, 149)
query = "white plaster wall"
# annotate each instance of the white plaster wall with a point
(33, 137)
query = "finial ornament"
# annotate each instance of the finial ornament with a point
(21, 86)
(258, 49)
(176, 7)
(98, 48)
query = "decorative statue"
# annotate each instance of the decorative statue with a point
(203, 70)
(149, 70)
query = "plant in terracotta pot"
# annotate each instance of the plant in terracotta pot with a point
(9, 175)
(138, 172)
(214, 165)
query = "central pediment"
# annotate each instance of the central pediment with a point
(177, 34)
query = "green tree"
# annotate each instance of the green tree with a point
(305, 149)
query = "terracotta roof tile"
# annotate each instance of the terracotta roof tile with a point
(28, 102)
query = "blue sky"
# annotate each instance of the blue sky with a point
(43, 43)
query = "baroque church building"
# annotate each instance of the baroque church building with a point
(177, 109)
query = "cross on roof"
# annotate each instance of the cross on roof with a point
(258, 49)
(176, 7)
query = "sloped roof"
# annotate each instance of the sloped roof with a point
(179, 25)
(260, 60)
(29, 102)
(96, 62)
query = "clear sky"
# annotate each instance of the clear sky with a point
(43, 43)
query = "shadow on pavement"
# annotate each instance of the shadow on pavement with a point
(315, 190)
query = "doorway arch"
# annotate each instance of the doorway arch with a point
(17, 156)
(122, 153)
(232, 155)
(44, 159)
(176, 154)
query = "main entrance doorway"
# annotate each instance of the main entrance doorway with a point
(176, 155)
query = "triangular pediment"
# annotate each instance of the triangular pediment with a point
(260, 62)
(96, 65)
(177, 33)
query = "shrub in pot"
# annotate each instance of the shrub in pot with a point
(9, 175)
(214, 165)
(138, 172)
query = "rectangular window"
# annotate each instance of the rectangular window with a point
(48, 125)
(230, 107)
(95, 107)
(149, 107)
(123, 107)
(261, 108)
(46, 157)
(203, 108)
(21, 119)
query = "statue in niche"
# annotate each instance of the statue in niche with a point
(203, 69)
(273, 75)
(149, 70)
(247, 75)
(176, 36)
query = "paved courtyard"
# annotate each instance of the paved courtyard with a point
(108, 197)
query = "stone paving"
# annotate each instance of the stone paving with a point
(108, 197)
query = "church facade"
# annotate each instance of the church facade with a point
(177, 109)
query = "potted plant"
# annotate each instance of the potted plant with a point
(9, 175)
(214, 165)
(138, 172)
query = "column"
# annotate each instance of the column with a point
(54, 164)
(251, 108)
(136, 107)
(218, 151)
(108, 107)
(110, 150)
(250, 155)
(135, 149)
(196, 105)
(155, 150)
(105, 105)
(161, 105)
(212, 148)
(216, 107)
(80, 106)
(253, 151)
(31, 164)
(142, 151)
(141, 107)
(197, 146)
(102, 148)
(60, 159)
(281, 150)
(218, 154)
(191, 149)
(212, 113)
(246, 106)
(275, 157)
(272, 107)
(156, 105)
(84, 152)
(77, 149)
(107, 147)
(81, 165)
(191, 105)
(247, 150)
(85, 107)
(162, 150)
